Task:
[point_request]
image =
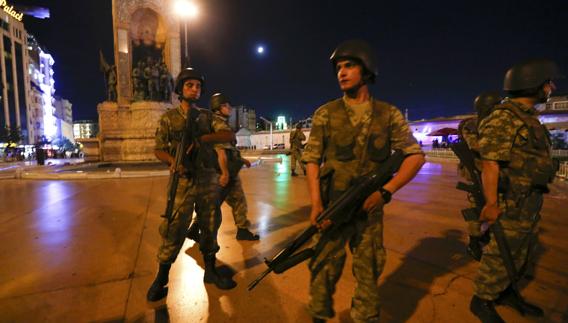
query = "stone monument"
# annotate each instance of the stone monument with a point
(146, 55)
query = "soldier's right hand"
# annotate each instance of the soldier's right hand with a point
(490, 213)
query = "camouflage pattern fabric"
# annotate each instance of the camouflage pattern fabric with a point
(349, 149)
(235, 197)
(365, 240)
(193, 192)
(296, 139)
(233, 193)
(513, 136)
(520, 223)
(173, 232)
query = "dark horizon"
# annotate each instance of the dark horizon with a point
(432, 59)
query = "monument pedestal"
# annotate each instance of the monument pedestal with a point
(127, 132)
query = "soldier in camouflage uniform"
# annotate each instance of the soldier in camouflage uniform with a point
(195, 189)
(230, 163)
(515, 149)
(296, 138)
(467, 131)
(350, 137)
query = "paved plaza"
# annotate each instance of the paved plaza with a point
(85, 251)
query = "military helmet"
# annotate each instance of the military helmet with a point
(188, 73)
(484, 102)
(217, 100)
(530, 74)
(359, 50)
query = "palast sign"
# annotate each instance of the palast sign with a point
(11, 11)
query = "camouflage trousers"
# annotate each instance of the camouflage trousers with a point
(365, 239)
(201, 195)
(296, 157)
(520, 224)
(234, 196)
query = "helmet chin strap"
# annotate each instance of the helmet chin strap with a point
(186, 99)
(543, 96)
(352, 92)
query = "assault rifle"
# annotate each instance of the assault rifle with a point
(467, 158)
(181, 154)
(339, 212)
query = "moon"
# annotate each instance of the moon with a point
(260, 50)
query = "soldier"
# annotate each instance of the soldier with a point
(351, 136)
(296, 138)
(515, 149)
(467, 131)
(195, 189)
(230, 163)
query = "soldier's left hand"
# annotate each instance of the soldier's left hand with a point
(490, 213)
(247, 162)
(372, 202)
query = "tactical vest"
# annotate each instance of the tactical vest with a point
(206, 157)
(531, 166)
(343, 157)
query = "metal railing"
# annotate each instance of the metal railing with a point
(563, 171)
(449, 154)
(441, 153)
(560, 153)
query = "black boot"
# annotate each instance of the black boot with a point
(512, 299)
(474, 248)
(294, 173)
(158, 289)
(245, 234)
(213, 277)
(316, 320)
(193, 232)
(484, 310)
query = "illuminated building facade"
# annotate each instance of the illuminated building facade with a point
(41, 92)
(85, 129)
(242, 117)
(13, 70)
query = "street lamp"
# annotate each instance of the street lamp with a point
(186, 10)
(263, 119)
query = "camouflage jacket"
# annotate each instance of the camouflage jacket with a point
(347, 150)
(170, 132)
(296, 138)
(513, 136)
(234, 160)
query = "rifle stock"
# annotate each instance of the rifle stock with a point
(337, 213)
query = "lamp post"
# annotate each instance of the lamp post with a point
(186, 10)
(270, 122)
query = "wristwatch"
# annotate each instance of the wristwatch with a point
(387, 196)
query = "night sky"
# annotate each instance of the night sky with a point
(434, 57)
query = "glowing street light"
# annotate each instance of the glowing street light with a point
(186, 10)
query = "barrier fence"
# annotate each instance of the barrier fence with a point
(563, 171)
(449, 154)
